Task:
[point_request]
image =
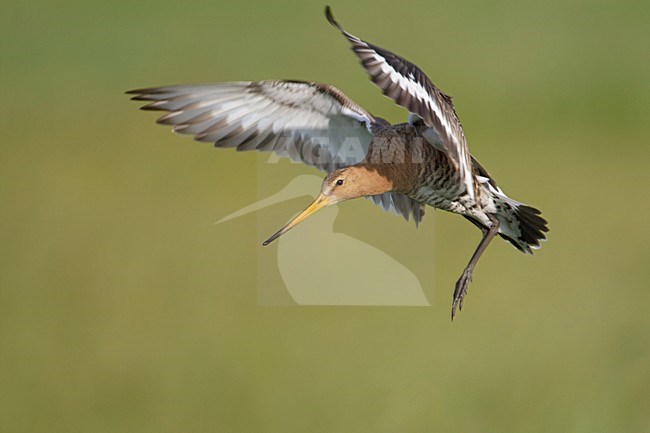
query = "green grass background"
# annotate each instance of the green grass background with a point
(123, 308)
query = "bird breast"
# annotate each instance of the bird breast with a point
(416, 168)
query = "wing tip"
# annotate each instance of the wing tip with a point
(144, 90)
(141, 95)
(330, 18)
(136, 95)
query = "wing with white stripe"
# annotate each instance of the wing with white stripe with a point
(308, 122)
(409, 87)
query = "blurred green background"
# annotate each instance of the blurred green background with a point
(123, 308)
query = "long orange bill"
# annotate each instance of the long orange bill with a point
(319, 203)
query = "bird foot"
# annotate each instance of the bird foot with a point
(461, 291)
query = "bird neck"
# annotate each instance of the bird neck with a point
(375, 179)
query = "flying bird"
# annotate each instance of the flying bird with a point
(401, 167)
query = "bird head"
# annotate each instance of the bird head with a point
(340, 185)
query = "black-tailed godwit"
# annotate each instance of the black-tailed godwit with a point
(401, 167)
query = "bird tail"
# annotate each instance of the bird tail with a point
(520, 224)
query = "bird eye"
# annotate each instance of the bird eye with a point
(339, 182)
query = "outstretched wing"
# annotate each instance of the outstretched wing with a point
(308, 122)
(409, 87)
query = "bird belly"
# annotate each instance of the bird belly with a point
(438, 199)
(459, 204)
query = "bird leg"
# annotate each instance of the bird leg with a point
(466, 277)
